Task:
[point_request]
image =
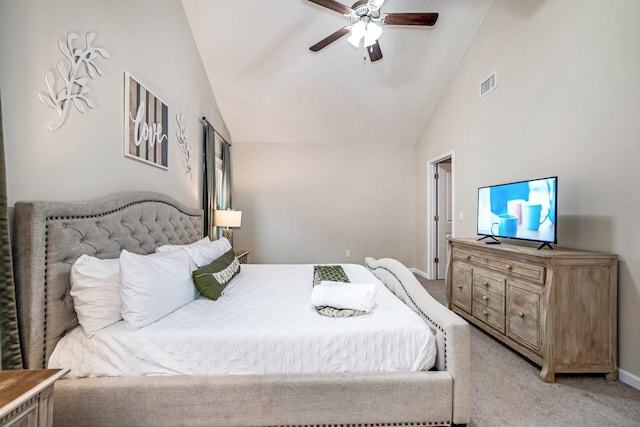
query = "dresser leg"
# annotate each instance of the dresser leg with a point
(547, 375)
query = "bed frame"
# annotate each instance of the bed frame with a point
(50, 236)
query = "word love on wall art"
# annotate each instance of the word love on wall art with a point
(146, 125)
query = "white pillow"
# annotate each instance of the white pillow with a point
(95, 289)
(154, 285)
(171, 248)
(202, 252)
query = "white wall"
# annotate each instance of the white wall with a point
(309, 203)
(84, 158)
(566, 104)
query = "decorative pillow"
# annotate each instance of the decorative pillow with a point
(201, 252)
(95, 289)
(154, 285)
(212, 279)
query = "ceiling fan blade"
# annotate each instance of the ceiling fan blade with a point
(374, 52)
(330, 39)
(333, 5)
(410, 18)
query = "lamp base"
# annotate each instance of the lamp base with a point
(228, 233)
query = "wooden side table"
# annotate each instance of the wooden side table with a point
(26, 397)
(242, 255)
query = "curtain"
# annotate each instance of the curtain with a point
(215, 197)
(224, 201)
(224, 198)
(9, 335)
(209, 178)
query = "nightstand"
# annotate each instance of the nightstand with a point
(26, 397)
(242, 255)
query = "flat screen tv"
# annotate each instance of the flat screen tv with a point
(524, 210)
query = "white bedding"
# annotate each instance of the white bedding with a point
(263, 324)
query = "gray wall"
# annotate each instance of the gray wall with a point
(305, 203)
(84, 158)
(566, 104)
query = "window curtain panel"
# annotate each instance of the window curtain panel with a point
(224, 198)
(9, 335)
(224, 201)
(209, 178)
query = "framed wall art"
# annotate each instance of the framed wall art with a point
(146, 124)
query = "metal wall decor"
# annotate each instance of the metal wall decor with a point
(74, 87)
(185, 147)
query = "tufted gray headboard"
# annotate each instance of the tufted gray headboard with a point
(50, 236)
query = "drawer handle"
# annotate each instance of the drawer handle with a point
(485, 312)
(509, 267)
(468, 257)
(459, 286)
(486, 284)
(521, 314)
(485, 298)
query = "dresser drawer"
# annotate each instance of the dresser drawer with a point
(489, 316)
(484, 297)
(469, 256)
(489, 282)
(461, 286)
(527, 271)
(523, 317)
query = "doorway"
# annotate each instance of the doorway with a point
(440, 214)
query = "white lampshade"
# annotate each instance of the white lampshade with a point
(373, 33)
(227, 218)
(357, 32)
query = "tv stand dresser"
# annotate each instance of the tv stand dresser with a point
(557, 307)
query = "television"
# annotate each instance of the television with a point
(524, 210)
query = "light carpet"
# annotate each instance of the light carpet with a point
(507, 391)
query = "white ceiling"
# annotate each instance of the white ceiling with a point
(271, 88)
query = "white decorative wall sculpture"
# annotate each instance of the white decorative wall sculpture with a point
(74, 87)
(185, 147)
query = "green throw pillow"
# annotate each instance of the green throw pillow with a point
(212, 278)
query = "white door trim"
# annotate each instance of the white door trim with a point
(432, 168)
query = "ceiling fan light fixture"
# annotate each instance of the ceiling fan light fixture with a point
(358, 31)
(373, 33)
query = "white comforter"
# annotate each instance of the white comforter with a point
(263, 324)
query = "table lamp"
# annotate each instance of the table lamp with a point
(228, 219)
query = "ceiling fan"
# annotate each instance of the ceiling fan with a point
(365, 23)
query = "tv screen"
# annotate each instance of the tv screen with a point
(519, 210)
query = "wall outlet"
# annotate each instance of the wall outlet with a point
(461, 216)
(348, 253)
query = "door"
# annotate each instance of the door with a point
(443, 216)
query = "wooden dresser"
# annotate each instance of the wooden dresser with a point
(557, 307)
(26, 397)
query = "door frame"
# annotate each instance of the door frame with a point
(432, 242)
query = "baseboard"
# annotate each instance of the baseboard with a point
(629, 379)
(419, 273)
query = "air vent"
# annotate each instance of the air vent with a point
(488, 85)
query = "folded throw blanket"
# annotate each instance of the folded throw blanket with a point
(351, 296)
(336, 274)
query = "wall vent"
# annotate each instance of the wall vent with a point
(488, 85)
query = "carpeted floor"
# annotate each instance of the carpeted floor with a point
(507, 391)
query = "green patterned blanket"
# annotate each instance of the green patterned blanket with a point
(333, 273)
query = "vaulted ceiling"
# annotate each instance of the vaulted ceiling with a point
(271, 88)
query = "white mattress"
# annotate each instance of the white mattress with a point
(263, 324)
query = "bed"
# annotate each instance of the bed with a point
(50, 236)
